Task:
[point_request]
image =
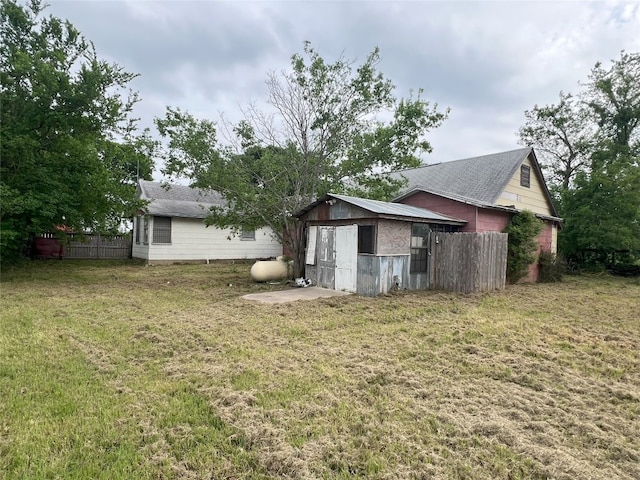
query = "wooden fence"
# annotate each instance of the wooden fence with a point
(77, 246)
(468, 262)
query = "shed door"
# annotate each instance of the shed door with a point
(346, 257)
(326, 257)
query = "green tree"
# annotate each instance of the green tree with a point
(600, 202)
(66, 139)
(330, 129)
(602, 216)
(563, 136)
(603, 211)
(523, 229)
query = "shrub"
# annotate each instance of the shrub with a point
(521, 251)
(552, 267)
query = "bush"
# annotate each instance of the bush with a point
(552, 267)
(522, 246)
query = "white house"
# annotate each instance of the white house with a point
(172, 229)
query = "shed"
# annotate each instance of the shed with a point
(370, 247)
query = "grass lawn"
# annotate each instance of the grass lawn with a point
(121, 371)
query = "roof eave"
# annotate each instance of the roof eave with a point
(447, 221)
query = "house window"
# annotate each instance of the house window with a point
(145, 235)
(248, 234)
(138, 220)
(420, 237)
(366, 239)
(525, 176)
(161, 229)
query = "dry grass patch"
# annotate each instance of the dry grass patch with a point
(536, 381)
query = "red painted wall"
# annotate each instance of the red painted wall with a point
(445, 206)
(479, 220)
(492, 220)
(544, 243)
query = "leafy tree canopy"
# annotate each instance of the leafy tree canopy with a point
(590, 145)
(332, 127)
(523, 229)
(67, 144)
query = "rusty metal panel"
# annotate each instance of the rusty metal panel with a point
(368, 275)
(382, 274)
(394, 272)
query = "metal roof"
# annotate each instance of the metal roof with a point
(177, 200)
(387, 209)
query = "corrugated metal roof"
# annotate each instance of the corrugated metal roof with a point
(478, 180)
(178, 200)
(397, 210)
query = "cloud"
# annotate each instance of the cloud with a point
(488, 61)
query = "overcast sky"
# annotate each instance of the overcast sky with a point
(487, 61)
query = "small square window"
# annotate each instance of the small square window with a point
(248, 234)
(525, 176)
(366, 239)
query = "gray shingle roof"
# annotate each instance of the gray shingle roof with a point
(177, 200)
(478, 180)
(388, 209)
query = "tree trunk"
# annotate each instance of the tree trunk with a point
(298, 263)
(294, 241)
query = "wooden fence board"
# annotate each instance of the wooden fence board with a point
(469, 262)
(76, 246)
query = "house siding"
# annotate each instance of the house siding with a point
(139, 249)
(191, 240)
(526, 198)
(445, 206)
(492, 220)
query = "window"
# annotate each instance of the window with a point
(145, 236)
(138, 221)
(420, 237)
(366, 239)
(161, 229)
(525, 176)
(248, 234)
(421, 244)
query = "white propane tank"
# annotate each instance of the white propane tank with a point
(270, 270)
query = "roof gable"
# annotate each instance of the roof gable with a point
(177, 200)
(478, 181)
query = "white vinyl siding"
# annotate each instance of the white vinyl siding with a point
(192, 240)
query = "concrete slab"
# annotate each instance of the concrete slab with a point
(294, 294)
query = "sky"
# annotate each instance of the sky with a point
(486, 61)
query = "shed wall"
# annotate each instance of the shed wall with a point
(394, 237)
(381, 274)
